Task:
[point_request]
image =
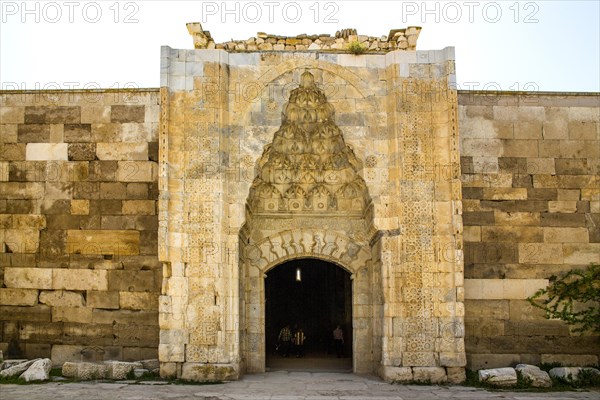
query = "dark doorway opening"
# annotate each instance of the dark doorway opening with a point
(315, 295)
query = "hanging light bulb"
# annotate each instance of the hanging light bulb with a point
(298, 275)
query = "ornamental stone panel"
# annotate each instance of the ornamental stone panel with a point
(269, 155)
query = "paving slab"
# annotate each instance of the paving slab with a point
(275, 386)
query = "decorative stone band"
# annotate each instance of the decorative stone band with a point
(344, 41)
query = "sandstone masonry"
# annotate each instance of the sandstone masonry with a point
(132, 224)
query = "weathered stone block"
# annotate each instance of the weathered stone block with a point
(208, 372)
(12, 115)
(522, 310)
(170, 353)
(11, 363)
(138, 300)
(72, 314)
(131, 281)
(122, 151)
(570, 359)
(77, 133)
(581, 253)
(490, 309)
(455, 358)
(123, 113)
(22, 190)
(103, 171)
(562, 206)
(516, 218)
(520, 148)
(528, 130)
(33, 314)
(115, 242)
(566, 235)
(120, 369)
(33, 133)
(456, 376)
(80, 207)
(535, 375)
(12, 151)
(38, 371)
(82, 151)
(570, 166)
(113, 190)
(583, 130)
(17, 369)
(541, 253)
(61, 298)
(478, 218)
(18, 297)
(94, 114)
(52, 115)
(137, 171)
(498, 376)
(139, 207)
(505, 193)
(570, 373)
(128, 320)
(168, 370)
(561, 219)
(511, 234)
(85, 371)
(103, 299)
(433, 375)
(540, 166)
(46, 151)
(396, 374)
(84, 279)
(28, 278)
(4, 170)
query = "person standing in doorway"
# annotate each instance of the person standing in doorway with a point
(299, 338)
(338, 339)
(285, 338)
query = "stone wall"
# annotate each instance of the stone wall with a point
(531, 209)
(78, 224)
(78, 187)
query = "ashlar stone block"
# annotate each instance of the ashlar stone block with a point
(115, 242)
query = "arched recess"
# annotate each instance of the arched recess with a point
(314, 295)
(308, 200)
(257, 259)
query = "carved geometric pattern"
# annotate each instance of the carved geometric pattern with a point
(308, 168)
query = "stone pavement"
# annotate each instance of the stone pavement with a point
(274, 386)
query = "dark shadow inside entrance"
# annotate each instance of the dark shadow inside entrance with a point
(315, 295)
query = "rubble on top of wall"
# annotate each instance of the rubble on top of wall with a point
(344, 41)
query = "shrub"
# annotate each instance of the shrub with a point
(573, 298)
(356, 47)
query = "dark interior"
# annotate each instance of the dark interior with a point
(317, 303)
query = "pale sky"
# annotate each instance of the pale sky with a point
(501, 45)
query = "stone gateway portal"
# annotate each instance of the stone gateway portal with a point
(267, 157)
(170, 223)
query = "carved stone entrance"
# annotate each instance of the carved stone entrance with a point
(387, 209)
(315, 296)
(308, 200)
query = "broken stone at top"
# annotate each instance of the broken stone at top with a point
(398, 39)
(201, 37)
